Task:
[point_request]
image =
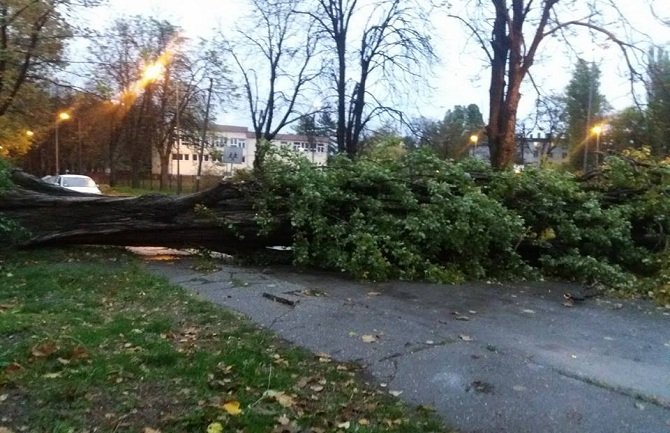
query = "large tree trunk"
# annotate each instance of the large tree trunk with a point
(221, 218)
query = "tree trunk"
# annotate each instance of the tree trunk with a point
(165, 172)
(221, 218)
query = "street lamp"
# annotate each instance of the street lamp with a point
(598, 129)
(61, 117)
(30, 134)
(474, 138)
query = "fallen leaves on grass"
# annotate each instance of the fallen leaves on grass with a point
(324, 357)
(6, 307)
(14, 367)
(283, 399)
(232, 408)
(44, 349)
(215, 427)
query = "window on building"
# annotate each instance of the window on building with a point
(186, 157)
(195, 157)
(296, 146)
(320, 148)
(242, 143)
(175, 156)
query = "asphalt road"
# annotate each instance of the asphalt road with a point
(488, 358)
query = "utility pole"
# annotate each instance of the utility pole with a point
(204, 135)
(588, 121)
(79, 163)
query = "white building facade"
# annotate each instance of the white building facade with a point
(231, 148)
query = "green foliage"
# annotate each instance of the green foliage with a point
(569, 230)
(415, 216)
(583, 103)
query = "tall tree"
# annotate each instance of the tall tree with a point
(658, 99)
(458, 125)
(628, 129)
(388, 40)
(517, 29)
(450, 137)
(276, 60)
(585, 107)
(33, 34)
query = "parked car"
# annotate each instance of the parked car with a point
(79, 183)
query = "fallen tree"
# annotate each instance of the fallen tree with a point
(221, 218)
(410, 217)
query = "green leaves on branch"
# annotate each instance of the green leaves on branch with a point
(415, 217)
(419, 217)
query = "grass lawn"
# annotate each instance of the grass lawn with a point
(90, 342)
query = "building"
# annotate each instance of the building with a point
(231, 148)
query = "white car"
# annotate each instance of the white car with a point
(76, 182)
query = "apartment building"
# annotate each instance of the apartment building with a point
(230, 148)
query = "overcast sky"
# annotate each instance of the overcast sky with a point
(460, 78)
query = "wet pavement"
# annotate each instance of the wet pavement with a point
(489, 358)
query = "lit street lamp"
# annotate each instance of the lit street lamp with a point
(474, 138)
(30, 134)
(62, 117)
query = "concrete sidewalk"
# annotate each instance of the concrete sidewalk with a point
(488, 358)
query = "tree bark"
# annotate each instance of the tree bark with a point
(221, 218)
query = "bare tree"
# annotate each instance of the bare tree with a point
(391, 42)
(156, 109)
(517, 28)
(277, 61)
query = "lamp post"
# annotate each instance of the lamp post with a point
(474, 138)
(598, 129)
(62, 116)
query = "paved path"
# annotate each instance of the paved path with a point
(488, 358)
